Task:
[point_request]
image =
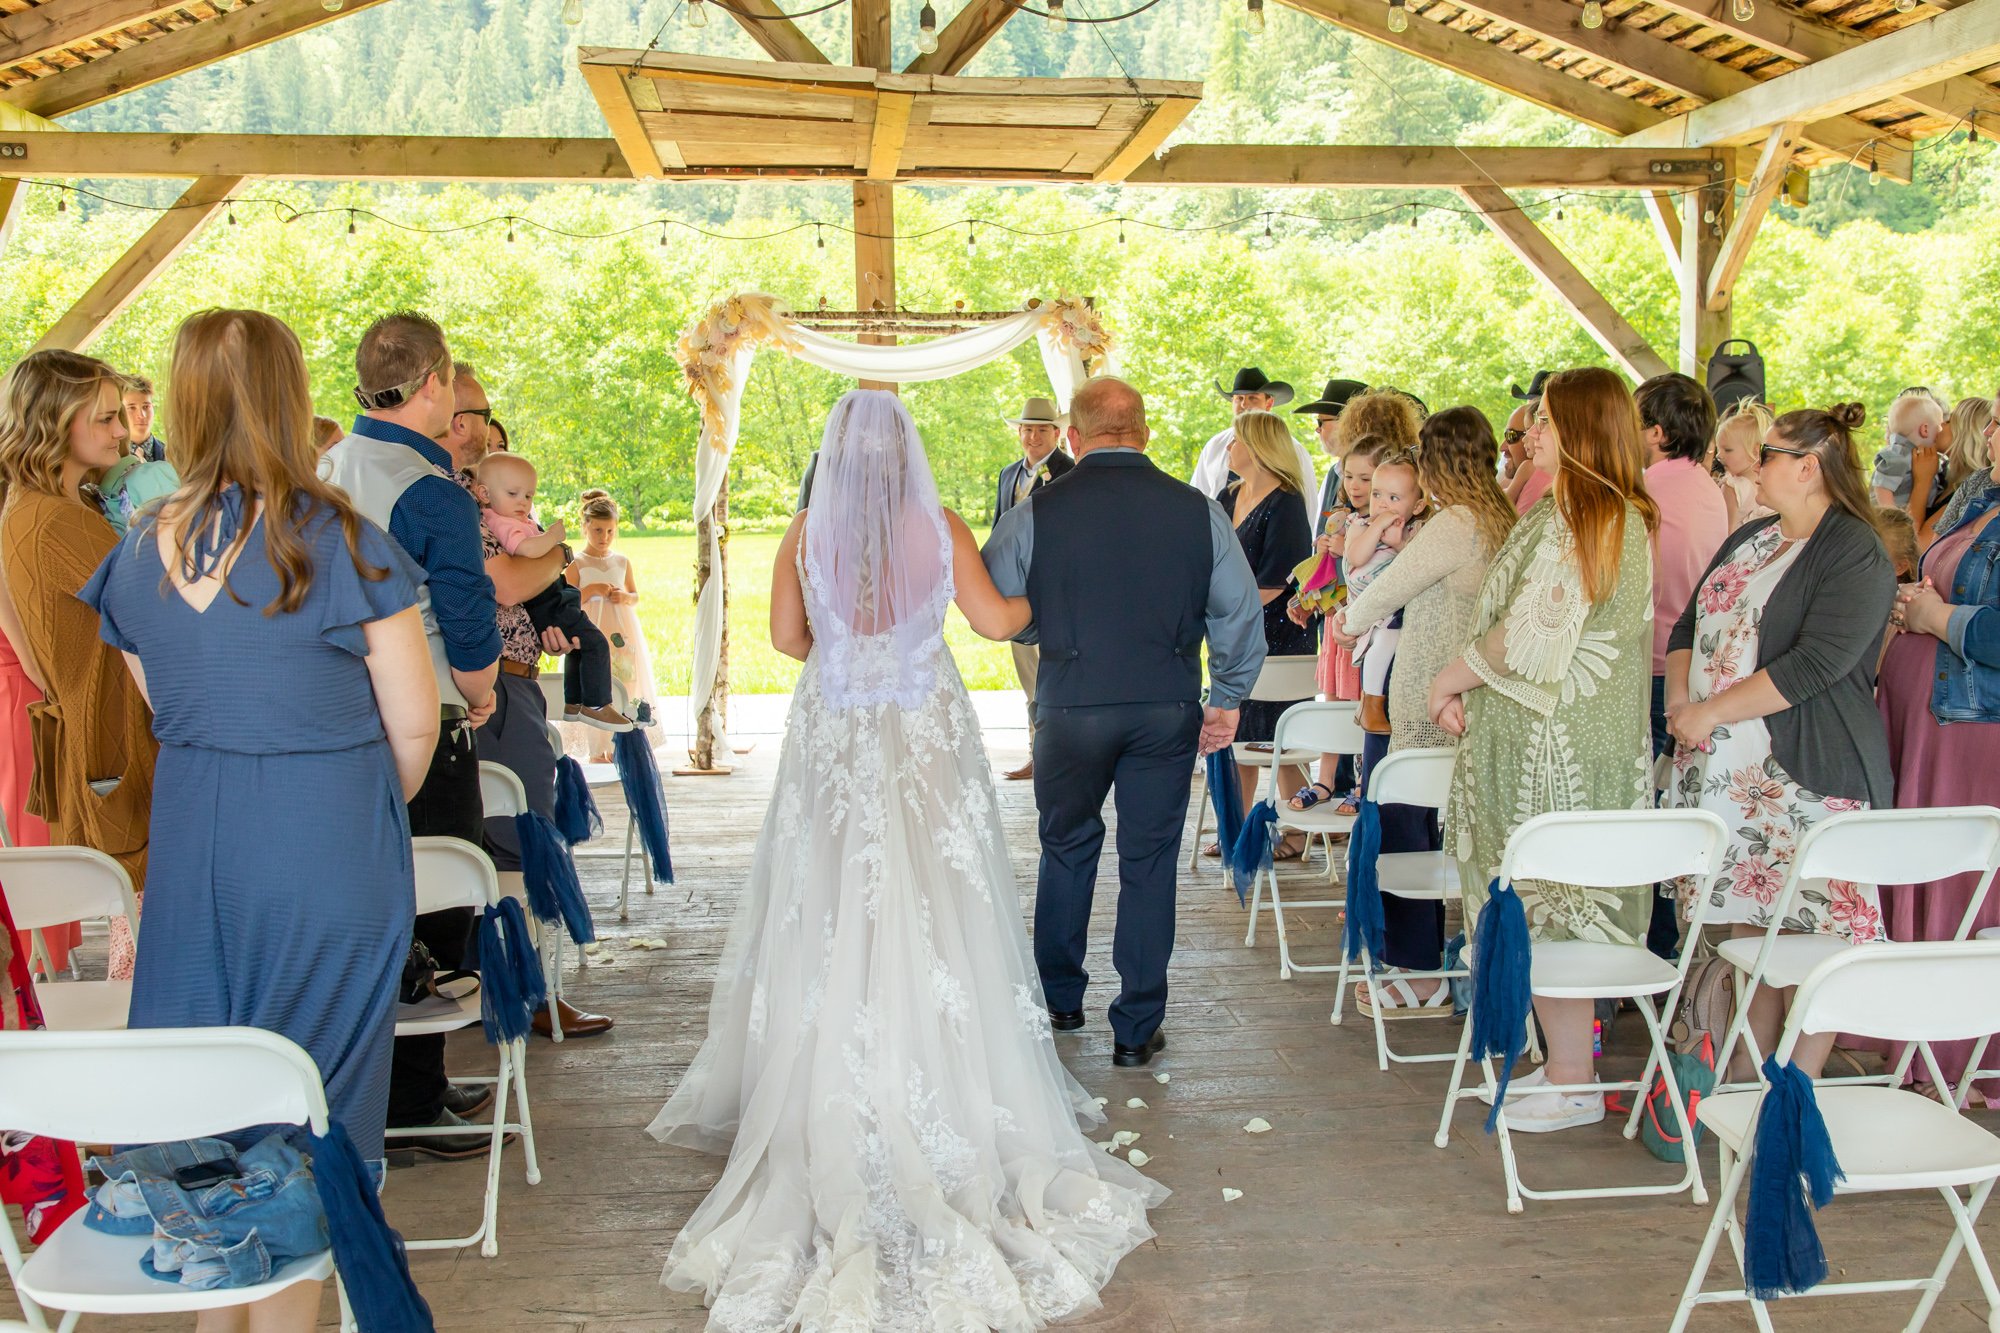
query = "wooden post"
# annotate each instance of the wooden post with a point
(703, 759)
(875, 257)
(1704, 218)
(13, 198)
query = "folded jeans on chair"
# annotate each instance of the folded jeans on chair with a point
(235, 1231)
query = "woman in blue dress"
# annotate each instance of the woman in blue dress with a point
(276, 634)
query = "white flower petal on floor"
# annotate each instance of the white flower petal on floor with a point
(1102, 1101)
(1136, 1104)
(645, 942)
(1258, 1125)
(1137, 1158)
(1125, 1137)
(1162, 1078)
(1230, 1195)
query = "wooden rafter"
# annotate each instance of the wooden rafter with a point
(1704, 216)
(13, 198)
(1769, 178)
(871, 20)
(606, 84)
(1138, 150)
(319, 157)
(1347, 166)
(1660, 63)
(1884, 67)
(885, 139)
(1664, 209)
(781, 38)
(40, 32)
(149, 255)
(969, 30)
(1612, 331)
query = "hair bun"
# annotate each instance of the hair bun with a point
(1850, 415)
(595, 493)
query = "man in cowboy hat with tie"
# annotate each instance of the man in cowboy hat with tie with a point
(1251, 392)
(1041, 462)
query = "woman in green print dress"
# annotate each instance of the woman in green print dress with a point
(1551, 699)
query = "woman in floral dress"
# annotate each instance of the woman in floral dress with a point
(1770, 692)
(1551, 698)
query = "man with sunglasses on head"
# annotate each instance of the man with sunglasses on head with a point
(1523, 482)
(398, 474)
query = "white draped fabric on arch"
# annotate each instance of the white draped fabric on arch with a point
(715, 355)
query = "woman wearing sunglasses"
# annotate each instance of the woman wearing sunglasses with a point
(1770, 690)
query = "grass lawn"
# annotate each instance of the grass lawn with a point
(664, 570)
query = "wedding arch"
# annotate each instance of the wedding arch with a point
(715, 355)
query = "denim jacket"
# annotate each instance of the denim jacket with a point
(1967, 688)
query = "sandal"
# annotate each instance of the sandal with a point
(1287, 851)
(1213, 849)
(1400, 1001)
(1349, 807)
(1305, 798)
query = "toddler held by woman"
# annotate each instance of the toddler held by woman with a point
(1395, 501)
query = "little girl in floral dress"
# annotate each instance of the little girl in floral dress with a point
(610, 597)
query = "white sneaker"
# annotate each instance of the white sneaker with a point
(1547, 1112)
(1521, 1087)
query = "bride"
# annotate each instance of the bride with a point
(904, 1150)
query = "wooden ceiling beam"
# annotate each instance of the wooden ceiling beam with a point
(1799, 36)
(1664, 209)
(886, 138)
(1769, 178)
(1612, 331)
(871, 19)
(192, 47)
(607, 85)
(133, 270)
(318, 157)
(13, 198)
(969, 30)
(1137, 151)
(1662, 64)
(1349, 166)
(781, 38)
(1884, 67)
(40, 32)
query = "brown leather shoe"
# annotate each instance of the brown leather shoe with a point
(575, 1022)
(1022, 774)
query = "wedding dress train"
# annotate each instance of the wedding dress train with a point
(903, 1141)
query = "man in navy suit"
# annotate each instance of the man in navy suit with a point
(1041, 462)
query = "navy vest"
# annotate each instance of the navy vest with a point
(1119, 582)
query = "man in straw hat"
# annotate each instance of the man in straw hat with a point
(1325, 411)
(1250, 392)
(1041, 462)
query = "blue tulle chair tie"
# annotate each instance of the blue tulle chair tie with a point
(1366, 922)
(1501, 998)
(548, 872)
(1251, 856)
(373, 1264)
(511, 987)
(576, 810)
(640, 777)
(1792, 1173)
(1225, 796)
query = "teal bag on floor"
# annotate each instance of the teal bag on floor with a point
(1659, 1128)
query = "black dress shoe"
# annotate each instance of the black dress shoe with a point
(468, 1100)
(1065, 1020)
(1131, 1057)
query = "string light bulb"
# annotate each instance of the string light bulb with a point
(971, 237)
(1593, 13)
(927, 28)
(1254, 18)
(819, 236)
(663, 235)
(350, 222)
(232, 214)
(510, 231)
(332, 6)
(572, 12)
(62, 202)
(1559, 212)
(1399, 16)
(1971, 126)
(1905, 6)
(1121, 231)
(1267, 226)
(1742, 10)
(1056, 19)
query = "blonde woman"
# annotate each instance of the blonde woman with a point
(62, 421)
(1267, 506)
(1739, 449)
(1962, 452)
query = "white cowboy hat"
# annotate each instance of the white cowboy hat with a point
(1037, 412)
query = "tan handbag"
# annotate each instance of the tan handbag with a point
(1375, 714)
(45, 740)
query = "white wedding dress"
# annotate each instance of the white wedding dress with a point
(904, 1149)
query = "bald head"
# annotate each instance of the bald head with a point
(1107, 413)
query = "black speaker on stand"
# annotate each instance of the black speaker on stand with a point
(1736, 373)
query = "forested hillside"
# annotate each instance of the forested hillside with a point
(1866, 290)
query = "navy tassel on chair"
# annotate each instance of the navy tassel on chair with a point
(511, 987)
(1251, 856)
(1791, 1164)
(373, 1264)
(640, 777)
(576, 809)
(549, 873)
(1225, 794)
(1366, 923)
(1501, 998)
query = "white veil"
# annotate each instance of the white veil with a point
(877, 556)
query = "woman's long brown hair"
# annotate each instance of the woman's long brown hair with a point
(39, 399)
(1829, 435)
(1602, 469)
(1457, 457)
(242, 415)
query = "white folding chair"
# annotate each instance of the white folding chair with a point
(453, 873)
(503, 796)
(54, 886)
(1867, 847)
(1605, 849)
(598, 777)
(1885, 1139)
(1316, 729)
(152, 1086)
(1419, 778)
(1280, 679)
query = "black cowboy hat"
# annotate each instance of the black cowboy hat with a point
(1535, 386)
(1251, 380)
(1331, 403)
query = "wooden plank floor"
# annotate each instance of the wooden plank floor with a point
(1350, 1218)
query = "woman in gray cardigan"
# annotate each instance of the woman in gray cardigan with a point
(1770, 690)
